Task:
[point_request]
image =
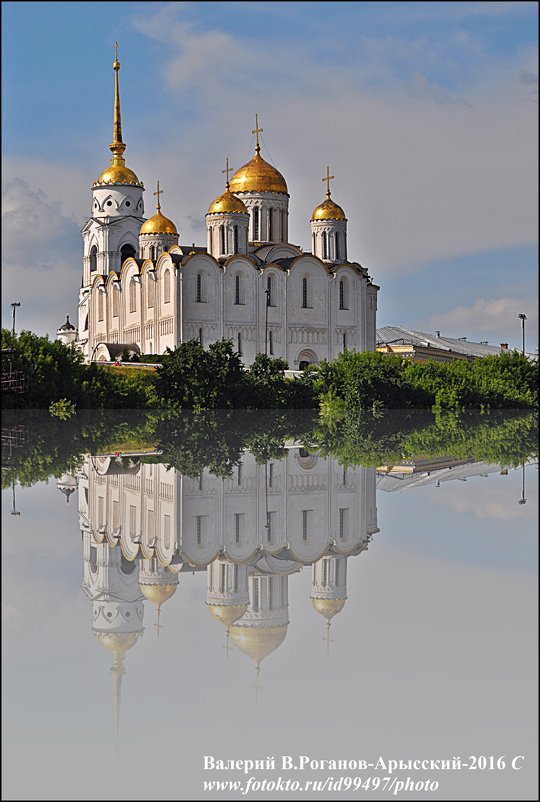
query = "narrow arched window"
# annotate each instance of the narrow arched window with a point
(337, 244)
(239, 343)
(344, 245)
(237, 289)
(167, 286)
(93, 259)
(324, 245)
(199, 288)
(305, 289)
(100, 305)
(344, 340)
(132, 296)
(201, 337)
(284, 226)
(152, 252)
(115, 296)
(222, 239)
(343, 294)
(269, 291)
(313, 245)
(126, 251)
(270, 342)
(270, 224)
(150, 291)
(235, 232)
(256, 224)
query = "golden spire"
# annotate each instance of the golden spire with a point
(158, 193)
(227, 170)
(158, 626)
(328, 178)
(118, 672)
(117, 146)
(257, 131)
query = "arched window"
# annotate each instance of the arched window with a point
(337, 244)
(152, 252)
(222, 239)
(167, 286)
(115, 296)
(324, 245)
(270, 291)
(125, 252)
(305, 293)
(344, 245)
(270, 224)
(85, 327)
(235, 230)
(314, 245)
(284, 226)
(240, 343)
(237, 289)
(256, 224)
(100, 305)
(199, 288)
(132, 296)
(270, 342)
(93, 258)
(343, 294)
(150, 291)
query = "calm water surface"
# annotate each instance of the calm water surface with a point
(292, 608)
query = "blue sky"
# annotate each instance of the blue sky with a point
(426, 113)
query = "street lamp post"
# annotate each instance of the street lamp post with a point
(523, 500)
(523, 318)
(15, 304)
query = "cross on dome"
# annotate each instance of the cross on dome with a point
(158, 193)
(227, 170)
(328, 178)
(257, 131)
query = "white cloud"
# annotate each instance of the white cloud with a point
(487, 318)
(41, 258)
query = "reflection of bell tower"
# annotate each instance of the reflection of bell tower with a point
(112, 584)
(329, 586)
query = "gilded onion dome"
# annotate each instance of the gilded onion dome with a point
(257, 175)
(158, 593)
(117, 172)
(227, 614)
(258, 642)
(158, 224)
(328, 607)
(227, 204)
(328, 210)
(117, 642)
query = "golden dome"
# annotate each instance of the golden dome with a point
(158, 224)
(117, 642)
(258, 176)
(258, 642)
(118, 174)
(227, 614)
(227, 204)
(158, 593)
(329, 607)
(328, 210)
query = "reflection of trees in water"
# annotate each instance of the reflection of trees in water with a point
(216, 440)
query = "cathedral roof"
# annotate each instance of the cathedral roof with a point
(258, 176)
(328, 210)
(328, 607)
(118, 174)
(227, 204)
(67, 326)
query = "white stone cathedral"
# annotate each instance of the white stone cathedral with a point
(144, 292)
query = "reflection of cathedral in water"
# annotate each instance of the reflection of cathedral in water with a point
(146, 527)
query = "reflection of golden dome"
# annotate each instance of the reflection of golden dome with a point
(158, 224)
(117, 642)
(328, 210)
(158, 593)
(258, 642)
(227, 204)
(329, 607)
(227, 614)
(258, 176)
(118, 174)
